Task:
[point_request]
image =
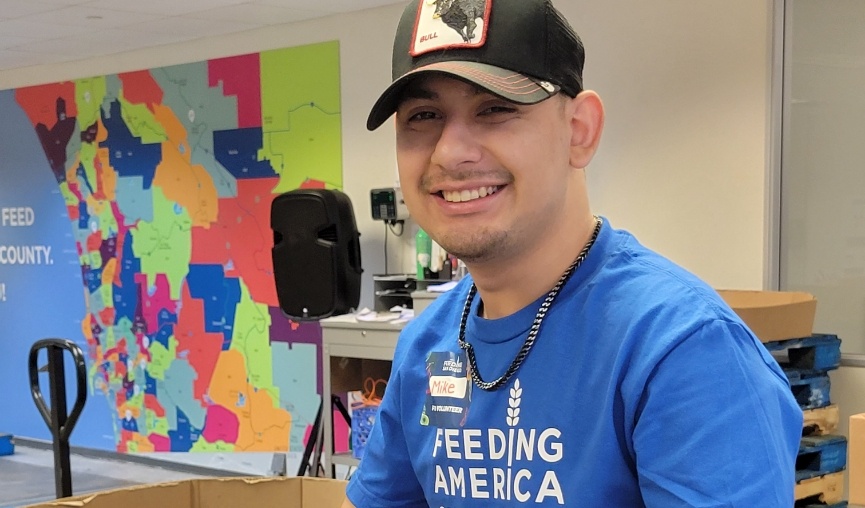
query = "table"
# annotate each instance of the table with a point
(351, 351)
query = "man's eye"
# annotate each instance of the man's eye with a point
(498, 110)
(422, 115)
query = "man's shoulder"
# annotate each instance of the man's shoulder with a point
(635, 268)
(639, 285)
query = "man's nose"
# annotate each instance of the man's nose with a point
(457, 144)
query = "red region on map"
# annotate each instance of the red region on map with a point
(202, 348)
(40, 102)
(241, 77)
(243, 236)
(140, 88)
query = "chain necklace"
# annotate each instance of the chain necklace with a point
(533, 331)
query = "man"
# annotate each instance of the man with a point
(573, 367)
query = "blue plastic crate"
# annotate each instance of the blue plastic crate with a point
(7, 447)
(362, 419)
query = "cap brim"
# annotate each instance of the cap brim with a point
(507, 84)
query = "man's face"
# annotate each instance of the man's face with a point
(486, 178)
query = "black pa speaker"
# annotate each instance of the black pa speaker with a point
(316, 253)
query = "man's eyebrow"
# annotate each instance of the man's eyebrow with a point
(420, 92)
(416, 92)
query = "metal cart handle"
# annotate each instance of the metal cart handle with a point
(58, 420)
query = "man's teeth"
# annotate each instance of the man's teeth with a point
(468, 195)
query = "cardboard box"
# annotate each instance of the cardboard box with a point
(774, 315)
(276, 492)
(856, 460)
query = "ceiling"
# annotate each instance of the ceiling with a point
(37, 32)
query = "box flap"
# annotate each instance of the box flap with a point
(272, 492)
(774, 315)
(142, 496)
(257, 492)
(318, 492)
(856, 459)
(762, 299)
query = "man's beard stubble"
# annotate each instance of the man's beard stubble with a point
(479, 246)
(483, 245)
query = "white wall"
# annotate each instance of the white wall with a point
(682, 161)
(683, 157)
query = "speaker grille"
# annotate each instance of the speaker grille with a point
(329, 234)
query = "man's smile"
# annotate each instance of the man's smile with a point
(459, 196)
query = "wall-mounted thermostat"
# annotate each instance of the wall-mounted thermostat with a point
(387, 204)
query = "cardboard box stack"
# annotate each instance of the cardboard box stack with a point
(784, 321)
(857, 459)
(277, 492)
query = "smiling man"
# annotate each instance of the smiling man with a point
(573, 367)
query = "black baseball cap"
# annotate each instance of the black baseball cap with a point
(524, 51)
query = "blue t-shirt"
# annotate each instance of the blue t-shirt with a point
(643, 389)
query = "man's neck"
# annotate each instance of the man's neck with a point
(506, 286)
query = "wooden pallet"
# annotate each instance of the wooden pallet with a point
(820, 455)
(842, 504)
(828, 489)
(817, 353)
(820, 421)
(811, 390)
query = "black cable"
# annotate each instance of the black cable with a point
(389, 224)
(401, 227)
(385, 248)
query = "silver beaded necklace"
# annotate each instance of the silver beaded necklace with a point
(533, 331)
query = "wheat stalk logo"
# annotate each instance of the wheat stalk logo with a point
(514, 404)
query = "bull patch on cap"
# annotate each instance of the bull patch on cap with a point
(443, 24)
(521, 50)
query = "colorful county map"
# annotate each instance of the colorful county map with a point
(168, 175)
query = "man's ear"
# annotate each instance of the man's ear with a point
(587, 123)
